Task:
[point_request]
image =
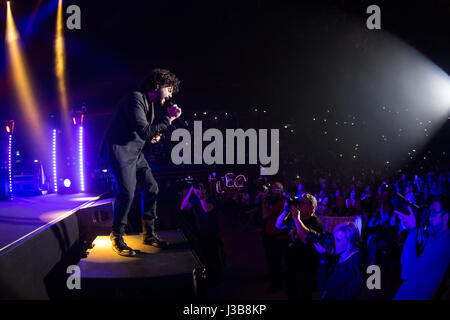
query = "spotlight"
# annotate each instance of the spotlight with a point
(67, 183)
(60, 67)
(22, 83)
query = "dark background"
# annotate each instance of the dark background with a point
(296, 60)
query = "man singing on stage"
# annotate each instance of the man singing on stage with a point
(134, 124)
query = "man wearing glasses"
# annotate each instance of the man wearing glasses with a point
(423, 273)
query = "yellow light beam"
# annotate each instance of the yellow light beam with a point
(22, 83)
(60, 69)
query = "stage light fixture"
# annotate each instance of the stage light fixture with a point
(55, 175)
(81, 157)
(10, 166)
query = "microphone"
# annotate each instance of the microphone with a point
(182, 123)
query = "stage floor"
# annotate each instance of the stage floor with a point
(149, 261)
(23, 217)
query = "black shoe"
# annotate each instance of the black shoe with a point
(156, 242)
(120, 247)
(149, 235)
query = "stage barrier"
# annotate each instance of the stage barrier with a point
(329, 223)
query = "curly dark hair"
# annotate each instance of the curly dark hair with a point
(160, 78)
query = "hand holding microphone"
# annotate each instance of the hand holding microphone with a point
(173, 111)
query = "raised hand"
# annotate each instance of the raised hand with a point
(408, 220)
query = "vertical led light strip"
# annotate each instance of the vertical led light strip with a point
(81, 158)
(10, 165)
(55, 176)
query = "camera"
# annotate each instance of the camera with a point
(421, 212)
(291, 200)
(325, 239)
(189, 181)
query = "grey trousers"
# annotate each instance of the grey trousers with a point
(127, 178)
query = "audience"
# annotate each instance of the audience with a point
(387, 237)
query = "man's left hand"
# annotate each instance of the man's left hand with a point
(156, 138)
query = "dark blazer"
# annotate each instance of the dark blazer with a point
(133, 124)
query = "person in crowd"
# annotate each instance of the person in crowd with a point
(320, 197)
(425, 195)
(435, 189)
(300, 190)
(201, 226)
(424, 263)
(339, 275)
(275, 241)
(323, 209)
(302, 259)
(367, 201)
(353, 204)
(339, 204)
(382, 231)
(409, 194)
